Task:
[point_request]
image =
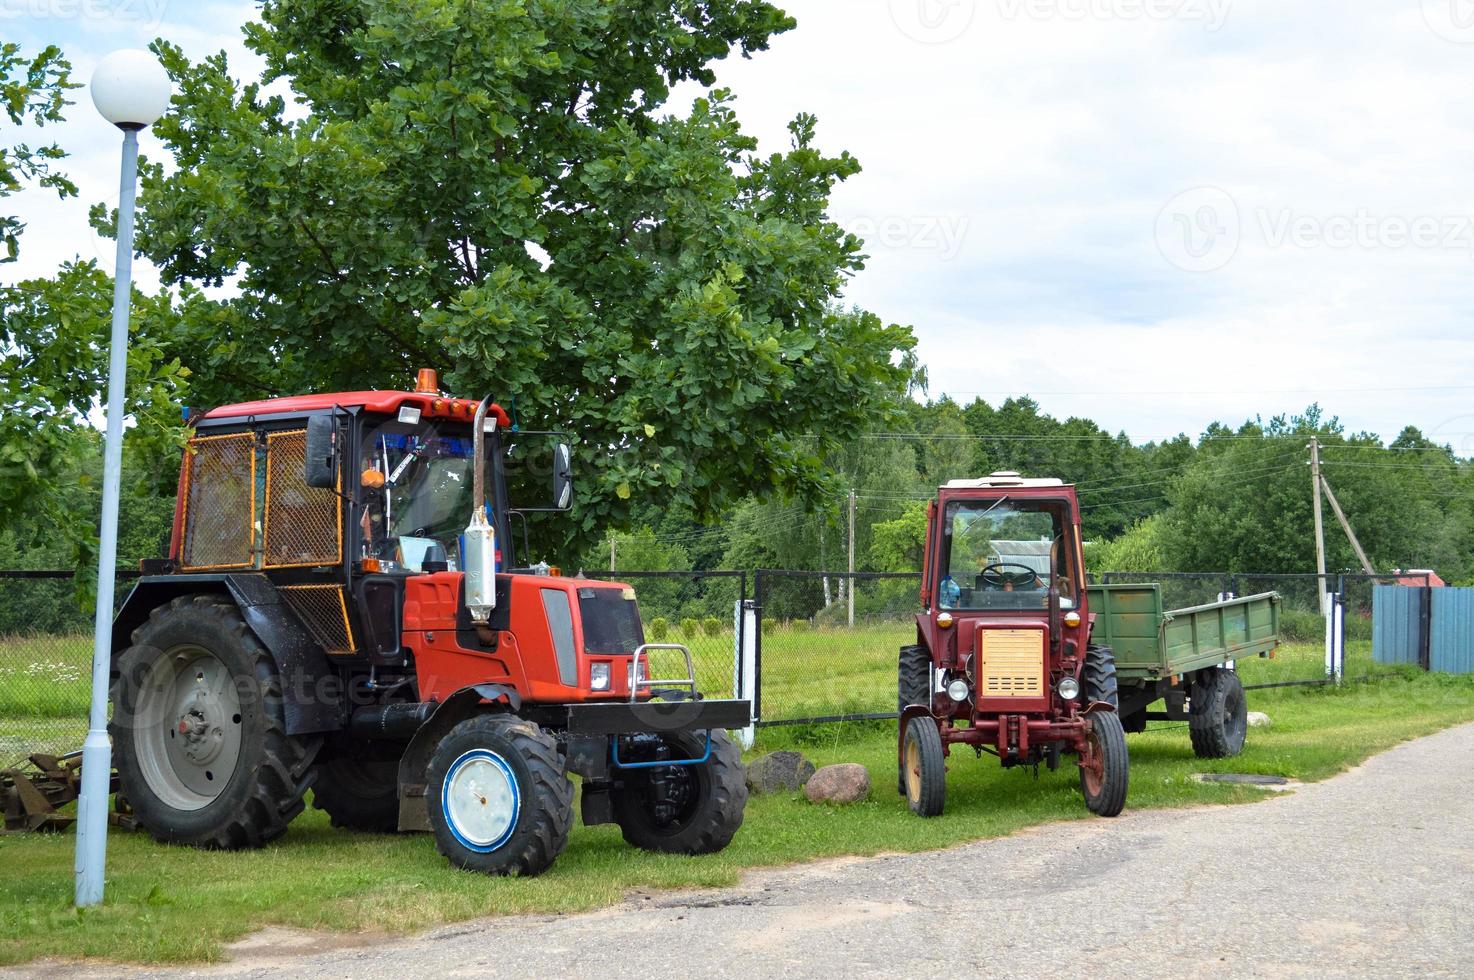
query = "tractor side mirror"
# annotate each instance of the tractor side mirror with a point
(562, 476)
(322, 452)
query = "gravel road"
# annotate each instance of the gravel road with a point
(1368, 874)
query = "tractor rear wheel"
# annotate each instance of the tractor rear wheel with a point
(913, 686)
(692, 809)
(1104, 776)
(913, 678)
(1100, 676)
(924, 767)
(499, 800)
(199, 733)
(1219, 720)
(358, 786)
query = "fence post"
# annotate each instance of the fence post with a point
(1335, 604)
(760, 598)
(744, 664)
(1425, 626)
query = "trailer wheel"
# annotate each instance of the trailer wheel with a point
(199, 733)
(1219, 720)
(1100, 676)
(683, 809)
(925, 768)
(358, 788)
(1103, 778)
(499, 801)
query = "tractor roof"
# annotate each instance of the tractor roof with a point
(431, 405)
(1003, 478)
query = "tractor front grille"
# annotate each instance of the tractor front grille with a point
(1010, 663)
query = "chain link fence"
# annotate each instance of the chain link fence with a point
(816, 662)
(696, 610)
(45, 662)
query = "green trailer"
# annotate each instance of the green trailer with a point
(1184, 658)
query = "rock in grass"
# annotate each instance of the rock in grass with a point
(778, 771)
(844, 783)
(1258, 719)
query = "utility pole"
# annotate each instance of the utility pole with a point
(852, 557)
(1320, 530)
(1361, 555)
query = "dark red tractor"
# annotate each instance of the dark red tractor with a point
(343, 610)
(1003, 661)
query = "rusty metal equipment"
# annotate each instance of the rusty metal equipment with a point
(32, 796)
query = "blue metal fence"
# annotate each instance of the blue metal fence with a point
(1451, 647)
(1430, 627)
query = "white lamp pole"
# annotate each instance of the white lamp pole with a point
(131, 90)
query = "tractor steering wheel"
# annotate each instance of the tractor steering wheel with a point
(1000, 576)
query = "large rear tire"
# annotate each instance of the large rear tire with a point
(913, 678)
(913, 686)
(924, 768)
(1100, 676)
(499, 800)
(694, 809)
(358, 786)
(1103, 780)
(1219, 720)
(199, 732)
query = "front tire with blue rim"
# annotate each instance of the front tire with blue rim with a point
(499, 800)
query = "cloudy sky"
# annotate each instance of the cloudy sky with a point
(1156, 213)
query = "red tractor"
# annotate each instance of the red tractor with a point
(1003, 661)
(340, 612)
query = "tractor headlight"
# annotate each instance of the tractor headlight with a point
(1068, 688)
(599, 677)
(957, 690)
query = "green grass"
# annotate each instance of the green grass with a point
(168, 904)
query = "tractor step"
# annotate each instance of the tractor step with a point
(32, 796)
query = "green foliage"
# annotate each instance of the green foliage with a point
(899, 545)
(769, 625)
(1135, 551)
(53, 365)
(687, 327)
(712, 626)
(657, 629)
(800, 625)
(690, 627)
(32, 91)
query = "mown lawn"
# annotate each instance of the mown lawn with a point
(170, 904)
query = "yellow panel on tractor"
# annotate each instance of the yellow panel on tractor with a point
(1011, 663)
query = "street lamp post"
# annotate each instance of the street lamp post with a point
(131, 90)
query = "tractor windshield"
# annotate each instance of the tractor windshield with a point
(415, 485)
(1005, 554)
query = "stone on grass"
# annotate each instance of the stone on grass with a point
(778, 771)
(1258, 719)
(844, 783)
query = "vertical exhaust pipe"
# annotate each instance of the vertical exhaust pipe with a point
(478, 554)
